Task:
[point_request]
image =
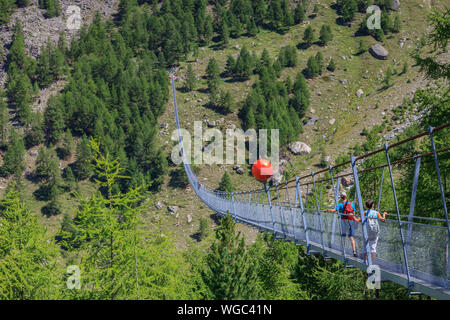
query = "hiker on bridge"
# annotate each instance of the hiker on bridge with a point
(373, 229)
(347, 213)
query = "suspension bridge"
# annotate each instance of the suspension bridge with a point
(410, 253)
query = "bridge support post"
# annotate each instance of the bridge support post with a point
(361, 209)
(381, 190)
(270, 209)
(287, 192)
(413, 202)
(444, 204)
(318, 213)
(405, 256)
(234, 206)
(305, 226)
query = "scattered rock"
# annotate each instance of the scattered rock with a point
(172, 209)
(313, 111)
(240, 171)
(299, 148)
(189, 218)
(346, 182)
(396, 5)
(311, 121)
(211, 124)
(359, 93)
(164, 125)
(276, 178)
(379, 52)
(158, 205)
(332, 121)
(343, 81)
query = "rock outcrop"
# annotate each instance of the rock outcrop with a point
(379, 52)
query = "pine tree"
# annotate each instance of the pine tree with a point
(252, 29)
(319, 60)
(325, 35)
(191, 80)
(204, 229)
(388, 77)
(362, 47)
(209, 30)
(244, 64)
(299, 14)
(34, 134)
(312, 67)
(122, 260)
(331, 65)
(82, 168)
(230, 65)
(397, 24)
(348, 9)
(17, 53)
(300, 101)
(29, 267)
(225, 184)
(54, 120)
(226, 102)
(227, 261)
(224, 33)
(308, 36)
(47, 167)
(71, 183)
(5, 11)
(68, 145)
(4, 120)
(13, 161)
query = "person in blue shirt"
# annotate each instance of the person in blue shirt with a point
(347, 210)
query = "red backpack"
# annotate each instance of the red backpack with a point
(348, 211)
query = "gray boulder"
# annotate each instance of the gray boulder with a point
(379, 52)
(299, 148)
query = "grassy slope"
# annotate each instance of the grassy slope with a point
(334, 99)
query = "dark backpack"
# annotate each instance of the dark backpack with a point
(348, 210)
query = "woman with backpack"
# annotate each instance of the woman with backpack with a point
(373, 229)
